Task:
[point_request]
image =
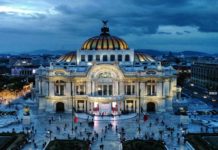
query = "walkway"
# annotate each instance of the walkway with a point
(106, 118)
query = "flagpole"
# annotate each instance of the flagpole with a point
(72, 112)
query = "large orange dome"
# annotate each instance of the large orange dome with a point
(104, 41)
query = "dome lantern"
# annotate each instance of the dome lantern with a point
(105, 30)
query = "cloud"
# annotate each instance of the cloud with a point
(130, 18)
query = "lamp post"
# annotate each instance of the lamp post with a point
(49, 134)
(139, 99)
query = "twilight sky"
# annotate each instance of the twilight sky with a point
(175, 25)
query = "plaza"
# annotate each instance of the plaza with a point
(49, 126)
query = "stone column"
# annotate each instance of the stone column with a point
(76, 105)
(121, 88)
(51, 88)
(142, 88)
(67, 89)
(146, 91)
(44, 88)
(88, 106)
(88, 88)
(93, 88)
(115, 89)
(159, 88)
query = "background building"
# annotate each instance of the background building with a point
(205, 74)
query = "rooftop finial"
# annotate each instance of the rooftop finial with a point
(105, 22)
(105, 29)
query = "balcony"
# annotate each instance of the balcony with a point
(105, 98)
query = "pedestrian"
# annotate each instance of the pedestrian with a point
(178, 140)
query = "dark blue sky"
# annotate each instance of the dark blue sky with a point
(176, 25)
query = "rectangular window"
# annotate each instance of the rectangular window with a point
(119, 57)
(83, 58)
(153, 90)
(112, 57)
(133, 89)
(90, 57)
(57, 90)
(80, 89)
(100, 90)
(61, 90)
(110, 90)
(149, 89)
(97, 57)
(104, 90)
(128, 89)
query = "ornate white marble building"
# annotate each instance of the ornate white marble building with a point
(105, 76)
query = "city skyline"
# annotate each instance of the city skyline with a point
(163, 25)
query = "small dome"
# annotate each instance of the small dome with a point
(142, 57)
(69, 57)
(104, 41)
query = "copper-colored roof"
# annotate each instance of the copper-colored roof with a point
(142, 57)
(69, 57)
(104, 41)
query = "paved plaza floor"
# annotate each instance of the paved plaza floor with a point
(157, 127)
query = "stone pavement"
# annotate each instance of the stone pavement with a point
(110, 137)
(61, 128)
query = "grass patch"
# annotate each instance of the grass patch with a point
(68, 145)
(138, 144)
(12, 140)
(203, 141)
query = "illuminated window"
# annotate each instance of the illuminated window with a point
(59, 88)
(151, 88)
(100, 90)
(80, 89)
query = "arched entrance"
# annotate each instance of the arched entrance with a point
(150, 107)
(59, 107)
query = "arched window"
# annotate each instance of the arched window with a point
(59, 88)
(112, 58)
(127, 58)
(119, 57)
(105, 58)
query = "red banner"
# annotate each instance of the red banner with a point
(145, 117)
(76, 119)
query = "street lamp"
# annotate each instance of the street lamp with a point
(139, 98)
(49, 133)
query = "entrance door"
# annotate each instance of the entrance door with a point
(105, 108)
(59, 107)
(150, 107)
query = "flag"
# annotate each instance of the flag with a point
(145, 117)
(75, 118)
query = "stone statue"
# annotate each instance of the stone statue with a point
(26, 111)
